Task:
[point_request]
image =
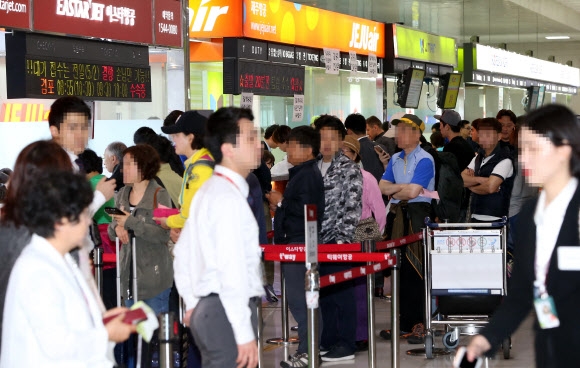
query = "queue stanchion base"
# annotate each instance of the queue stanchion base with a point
(280, 341)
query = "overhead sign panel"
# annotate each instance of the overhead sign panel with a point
(262, 78)
(168, 21)
(15, 14)
(215, 18)
(495, 60)
(412, 44)
(122, 20)
(41, 66)
(296, 24)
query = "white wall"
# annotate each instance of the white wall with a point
(15, 136)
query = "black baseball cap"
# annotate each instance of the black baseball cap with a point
(190, 122)
(411, 120)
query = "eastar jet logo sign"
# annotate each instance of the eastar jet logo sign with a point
(12, 7)
(87, 9)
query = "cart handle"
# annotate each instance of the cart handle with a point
(495, 224)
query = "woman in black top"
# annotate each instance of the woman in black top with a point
(542, 279)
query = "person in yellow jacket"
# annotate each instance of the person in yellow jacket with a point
(187, 135)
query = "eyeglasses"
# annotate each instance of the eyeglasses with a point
(347, 150)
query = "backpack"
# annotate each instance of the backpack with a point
(449, 185)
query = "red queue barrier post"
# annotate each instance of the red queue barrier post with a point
(395, 326)
(368, 246)
(312, 284)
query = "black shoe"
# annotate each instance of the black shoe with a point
(270, 294)
(362, 345)
(338, 353)
(386, 334)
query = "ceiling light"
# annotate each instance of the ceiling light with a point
(557, 37)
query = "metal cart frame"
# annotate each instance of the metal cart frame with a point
(468, 240)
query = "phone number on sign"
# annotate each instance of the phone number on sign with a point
(168, 28)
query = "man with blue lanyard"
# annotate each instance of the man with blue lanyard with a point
(408, 174)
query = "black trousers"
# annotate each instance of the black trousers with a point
(412, 287)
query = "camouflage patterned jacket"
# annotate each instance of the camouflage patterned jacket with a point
(343, 185)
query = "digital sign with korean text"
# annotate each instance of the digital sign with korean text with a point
(39, 66)
(259, 78)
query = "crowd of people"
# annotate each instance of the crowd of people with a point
(199, 203)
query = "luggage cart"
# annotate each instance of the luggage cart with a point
(465, 268)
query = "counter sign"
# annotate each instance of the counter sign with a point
(168, 23)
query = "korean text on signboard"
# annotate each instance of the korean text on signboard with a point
(168, 21)
(261, 78)
(125, 20)
(412, 44)
(40, 66)
(297, 24)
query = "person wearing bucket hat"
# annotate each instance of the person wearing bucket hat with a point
(374, 217)
(187, 134)
(408, 173)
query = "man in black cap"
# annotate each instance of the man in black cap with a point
(451, 129)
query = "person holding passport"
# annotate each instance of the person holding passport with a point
(52, 316)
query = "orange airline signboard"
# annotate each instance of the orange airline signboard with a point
(296, 24)
(215, 18)
(285, 22)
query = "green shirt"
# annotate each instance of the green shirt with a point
(100, 216)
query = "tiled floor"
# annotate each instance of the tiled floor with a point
(521, 354)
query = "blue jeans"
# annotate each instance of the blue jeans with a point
(159, 304)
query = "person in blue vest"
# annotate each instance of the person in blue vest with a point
(408, 174)
(490, 175)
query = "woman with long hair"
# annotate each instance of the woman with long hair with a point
(543, 278)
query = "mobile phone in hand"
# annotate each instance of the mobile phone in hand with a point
(461, 361)
(114, 211)
(379, 148)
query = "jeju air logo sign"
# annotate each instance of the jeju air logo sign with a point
(296, 24)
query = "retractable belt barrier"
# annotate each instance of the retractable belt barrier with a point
(336, 253)
(353, 273)
(297, 249)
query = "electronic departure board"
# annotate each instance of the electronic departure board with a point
(39, 66)
(262, 78)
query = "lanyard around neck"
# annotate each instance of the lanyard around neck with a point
(229, 179)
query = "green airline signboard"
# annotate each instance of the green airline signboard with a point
(412, 44)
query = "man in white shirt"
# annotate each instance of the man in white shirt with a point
(217, 258)
(68, 121)
(490, 175)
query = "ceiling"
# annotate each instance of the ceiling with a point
(494, 21)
